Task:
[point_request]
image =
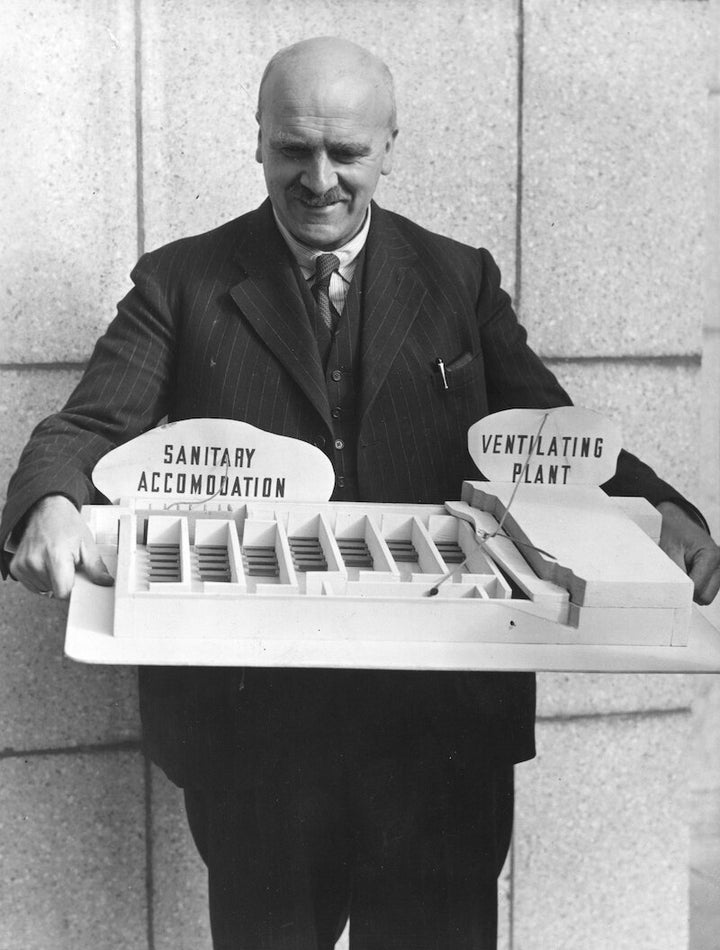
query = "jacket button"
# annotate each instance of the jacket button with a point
(339, 444)
(336, 412)
(336, 375)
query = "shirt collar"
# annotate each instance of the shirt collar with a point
(305, 256)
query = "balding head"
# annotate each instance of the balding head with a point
(326, 113)
(327, 58)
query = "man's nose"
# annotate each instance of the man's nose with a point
(319, 174)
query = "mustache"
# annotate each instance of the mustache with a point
(308, 197)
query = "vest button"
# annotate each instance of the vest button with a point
(336, 412)
(336, 375)
(339, 444)
(340, 481)
(320, 442)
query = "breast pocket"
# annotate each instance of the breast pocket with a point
(465, 370)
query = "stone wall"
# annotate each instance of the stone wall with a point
(568, 136)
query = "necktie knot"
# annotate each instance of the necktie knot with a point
(325, 266)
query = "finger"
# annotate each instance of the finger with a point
(32, 577)
(705, 574)
(669, 544)
(36, 586)
(41, 590)
(708, 594)
(61, 571)
(93, 565)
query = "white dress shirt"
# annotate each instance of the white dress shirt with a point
(347, 255)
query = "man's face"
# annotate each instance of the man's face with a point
(323, 144)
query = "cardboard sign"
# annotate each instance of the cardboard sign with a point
(562, 446)
(196, 460)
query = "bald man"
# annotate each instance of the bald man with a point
(313, 795)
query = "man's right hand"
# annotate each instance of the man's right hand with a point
(57, 542)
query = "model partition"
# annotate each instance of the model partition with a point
(333, 551)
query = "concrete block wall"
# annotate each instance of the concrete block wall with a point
(569, 137)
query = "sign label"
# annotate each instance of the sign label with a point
(201, 459)
(562, 446)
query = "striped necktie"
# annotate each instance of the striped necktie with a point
(325, 267)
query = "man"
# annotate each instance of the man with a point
(314, 794)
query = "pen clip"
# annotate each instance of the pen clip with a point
(440, 364)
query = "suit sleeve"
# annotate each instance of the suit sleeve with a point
(517, 378)
(123, 392)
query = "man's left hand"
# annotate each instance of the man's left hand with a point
(692, 549)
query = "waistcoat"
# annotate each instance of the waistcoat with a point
(340, 354)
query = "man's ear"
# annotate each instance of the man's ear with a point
(387, 162)
(258, 148)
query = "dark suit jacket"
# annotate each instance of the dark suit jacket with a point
(216, 326)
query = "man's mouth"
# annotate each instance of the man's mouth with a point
(313, 206)
(314, 202)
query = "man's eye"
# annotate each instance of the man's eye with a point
(291, 151)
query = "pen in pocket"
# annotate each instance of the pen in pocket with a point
(444, 368)
(440, 364)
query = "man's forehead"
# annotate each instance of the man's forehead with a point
(292, 118)
(342, 95)
(284, 123)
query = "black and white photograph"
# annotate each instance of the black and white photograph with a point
(360, 479)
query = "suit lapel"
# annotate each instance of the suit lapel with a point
(392, 295)
(270, 299)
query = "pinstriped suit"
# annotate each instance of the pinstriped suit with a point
(216, 326)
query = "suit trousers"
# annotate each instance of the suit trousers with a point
(376, 815)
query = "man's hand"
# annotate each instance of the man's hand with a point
(692, 548)
(56, 542)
